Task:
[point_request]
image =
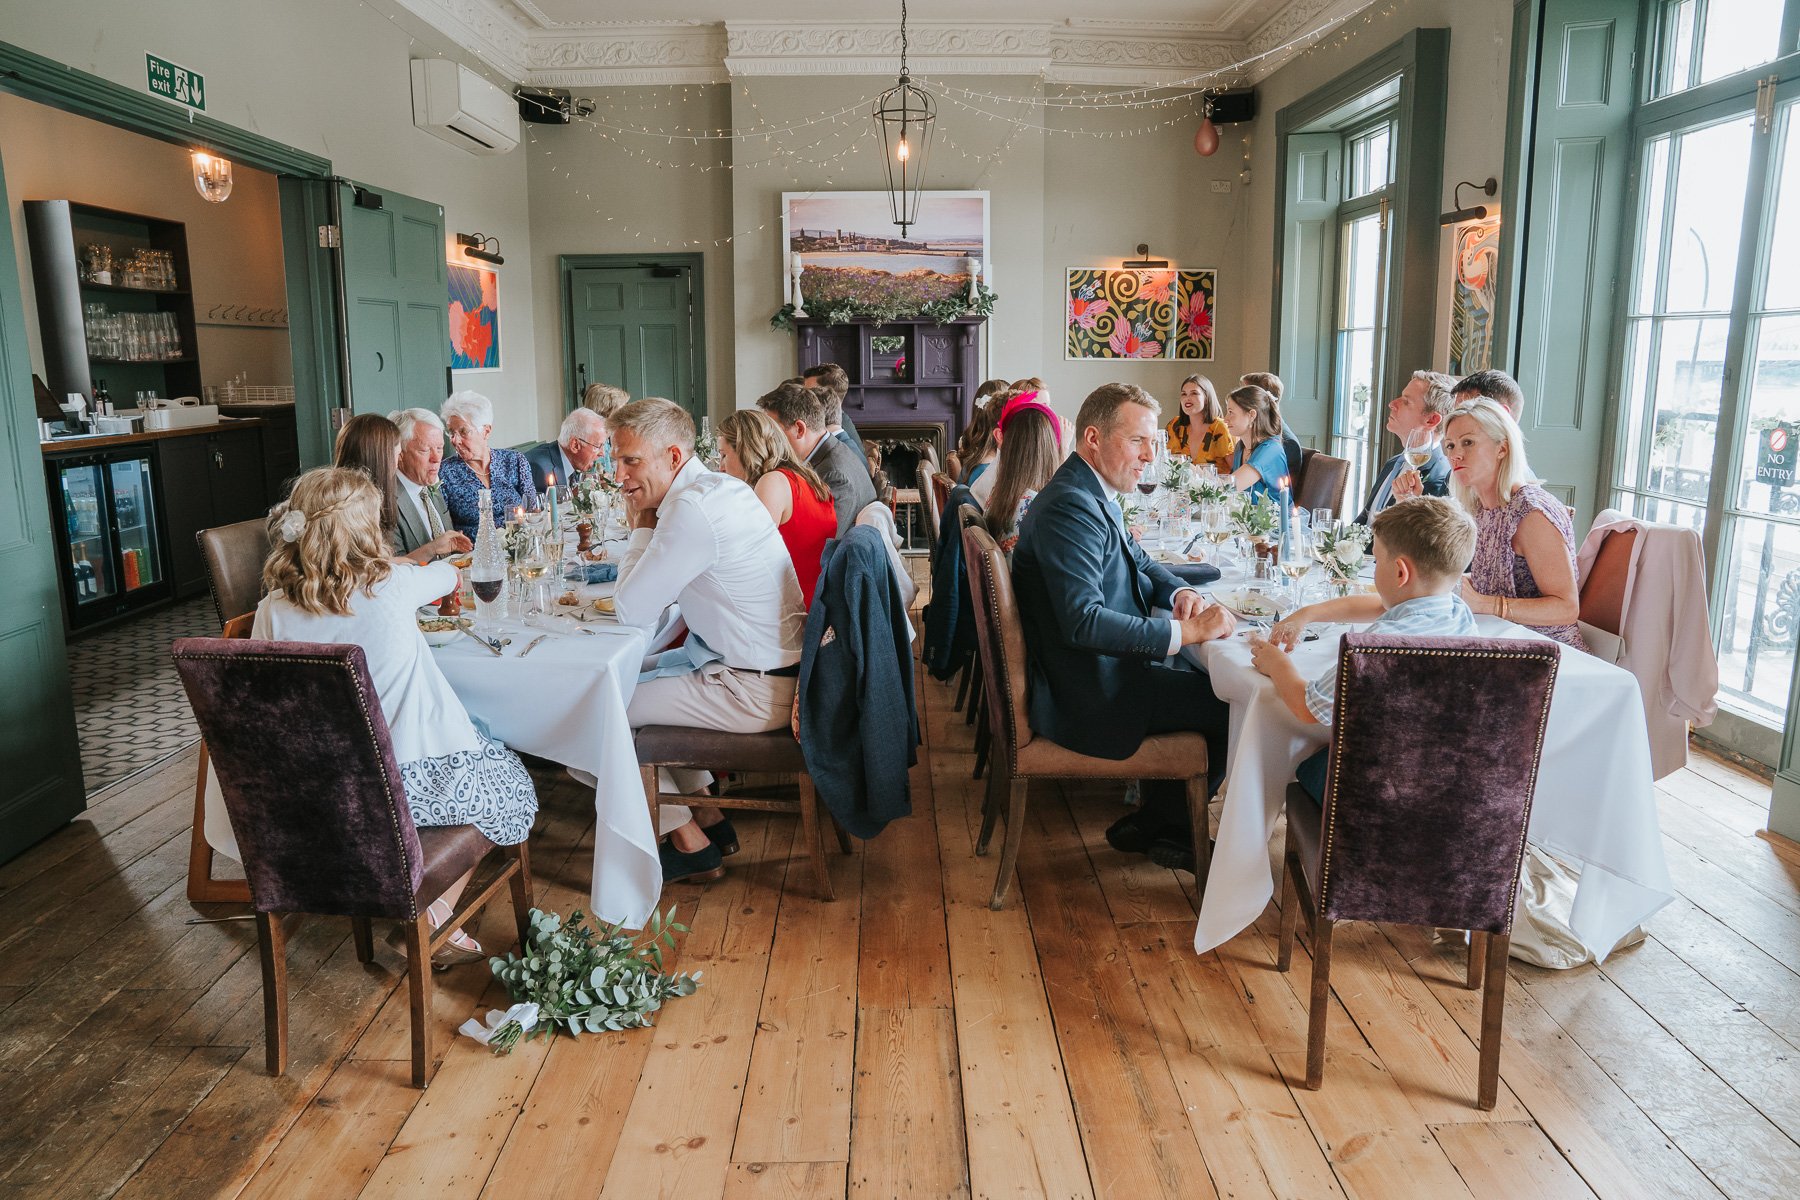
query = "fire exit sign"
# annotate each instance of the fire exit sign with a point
(174, 82)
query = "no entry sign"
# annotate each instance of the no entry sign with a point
(1775, 456)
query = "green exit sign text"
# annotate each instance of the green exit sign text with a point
(174, 82)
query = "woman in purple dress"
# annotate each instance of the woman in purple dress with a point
(1524, 569)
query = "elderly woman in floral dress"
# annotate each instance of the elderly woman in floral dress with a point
(469, 420)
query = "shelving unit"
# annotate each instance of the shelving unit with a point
(55, 232)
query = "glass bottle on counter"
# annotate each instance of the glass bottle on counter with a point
(487, 569)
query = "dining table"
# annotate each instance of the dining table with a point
(1594, 807)
(565, 699)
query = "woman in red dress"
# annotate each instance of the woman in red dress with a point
(754, 449)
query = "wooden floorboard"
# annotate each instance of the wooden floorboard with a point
(903, 1039)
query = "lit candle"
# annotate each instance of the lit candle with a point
(554, 522)
(1287, 500)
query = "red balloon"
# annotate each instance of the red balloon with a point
(1206, 139)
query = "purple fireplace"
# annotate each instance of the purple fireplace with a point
(912, 383)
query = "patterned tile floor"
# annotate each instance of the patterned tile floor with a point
(130, 710)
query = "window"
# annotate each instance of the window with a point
(1360, 324)
(1704, 40)
(1709, 365)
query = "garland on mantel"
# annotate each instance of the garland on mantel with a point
(841, 310)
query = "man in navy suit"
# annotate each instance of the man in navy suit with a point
(1424, 403)
(577, 446)
(1101, 677)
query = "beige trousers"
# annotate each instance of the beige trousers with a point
(714, 697)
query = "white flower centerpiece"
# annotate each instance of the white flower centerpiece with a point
(1342, 549)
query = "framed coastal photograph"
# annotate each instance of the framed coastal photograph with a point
(850, 246)
(474, 318)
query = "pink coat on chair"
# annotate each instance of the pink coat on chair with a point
(1667, 640)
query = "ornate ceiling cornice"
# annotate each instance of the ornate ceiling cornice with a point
(519, 41)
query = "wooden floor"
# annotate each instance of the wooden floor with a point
(904, 1040)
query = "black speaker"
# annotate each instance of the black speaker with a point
(546, 106)
(1230, 108)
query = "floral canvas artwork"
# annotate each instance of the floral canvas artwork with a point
(1114, 313)
(1476, 251)
(1194, 314)
(474, 318)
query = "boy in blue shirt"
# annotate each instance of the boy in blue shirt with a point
(1421, 548)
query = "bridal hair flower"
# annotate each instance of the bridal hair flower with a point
(292, 523)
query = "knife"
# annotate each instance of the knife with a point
(483, 642)
(532, 644)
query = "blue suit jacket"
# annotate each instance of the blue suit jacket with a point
(1436, 477)
(544, 458)
(1086, 590)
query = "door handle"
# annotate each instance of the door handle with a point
(219, 459)
(380, 362)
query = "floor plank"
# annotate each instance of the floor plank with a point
(907, 1095)
(785, 1181)
(1509, 1158)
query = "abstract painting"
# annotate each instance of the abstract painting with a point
(1476, 249)
(1194, 314)
(474, 318)
(850, 247)
(1119, 313)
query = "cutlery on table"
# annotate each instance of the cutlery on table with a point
(484, 643)
(532, 645)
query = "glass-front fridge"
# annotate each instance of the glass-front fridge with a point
(113, 557)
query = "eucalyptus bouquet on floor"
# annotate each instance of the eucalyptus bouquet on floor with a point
(585, 981)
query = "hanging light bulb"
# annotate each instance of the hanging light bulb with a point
(904, 117)
(212, 176)
(1206, 138)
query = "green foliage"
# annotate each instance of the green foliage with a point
(886, 344)
(1256, 516)
(840, 310)
(587, 982)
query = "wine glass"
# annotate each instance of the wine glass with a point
(1215, 521)
(1417, 447)
(535, 567)
(1294, 559)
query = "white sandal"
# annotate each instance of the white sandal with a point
(461, 948)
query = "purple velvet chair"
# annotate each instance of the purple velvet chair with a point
(1434, 758)
(301, 749)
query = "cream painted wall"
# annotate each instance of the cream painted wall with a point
(329, 77)
(234, 248)
(597, 191)
(1474, 128)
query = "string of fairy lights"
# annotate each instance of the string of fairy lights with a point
(644, 125)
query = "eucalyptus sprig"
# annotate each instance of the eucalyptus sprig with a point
(1340, 547)
(840, 310)
(1209, 490)
(1255, 516)
(587, 981)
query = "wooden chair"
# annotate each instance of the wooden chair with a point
(234, 557)
(1021, 755)
(1603, 595)
(1322, 481)
(776, 752)
(319, 808)
(1421, 831)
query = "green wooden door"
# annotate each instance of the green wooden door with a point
(40, 760)
(633, 327)
(396, 301)
(1308, 272)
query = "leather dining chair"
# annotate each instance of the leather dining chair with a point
(1603, 595)
(234, 556)
(319, 811)
(1421, 830)
(1322, 481)
(1020, 755)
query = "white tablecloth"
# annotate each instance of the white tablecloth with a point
(1595, 801)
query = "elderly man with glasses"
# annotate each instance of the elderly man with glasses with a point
(578, 446)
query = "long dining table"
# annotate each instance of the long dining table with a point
(1595, 804)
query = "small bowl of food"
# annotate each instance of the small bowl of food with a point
(438, 630)
(604, 605)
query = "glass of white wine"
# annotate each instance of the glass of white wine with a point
(1417, 448)
(1295, 561)
(535, 567)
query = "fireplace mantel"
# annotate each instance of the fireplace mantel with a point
(937, 386)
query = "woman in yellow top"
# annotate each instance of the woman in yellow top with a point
(1199, 430)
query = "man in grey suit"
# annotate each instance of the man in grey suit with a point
(797, 409)
(835, 382)
(425, 529)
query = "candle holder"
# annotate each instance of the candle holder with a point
(799, 300)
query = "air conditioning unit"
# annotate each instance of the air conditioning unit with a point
(454, 103)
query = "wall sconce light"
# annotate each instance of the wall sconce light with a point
(1479, 212)
(476, 245)
(212, 176)
(1144, 261)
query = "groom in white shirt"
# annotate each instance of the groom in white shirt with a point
(703, 540)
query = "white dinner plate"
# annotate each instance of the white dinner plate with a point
(1249, 603)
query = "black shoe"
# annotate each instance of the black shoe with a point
(723, 837)
(1136, 832)
(698, 867)
(1174, 853)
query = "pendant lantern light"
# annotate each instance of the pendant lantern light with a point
(904, 118)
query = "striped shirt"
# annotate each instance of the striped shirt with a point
(1424, 616)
